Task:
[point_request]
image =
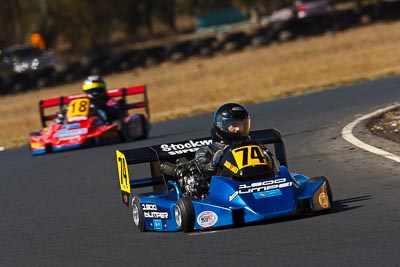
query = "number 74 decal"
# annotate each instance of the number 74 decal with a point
(249, 156)
(123, 176)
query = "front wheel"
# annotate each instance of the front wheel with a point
(137, 215)
(184, 214)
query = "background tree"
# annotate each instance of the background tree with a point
(91, 25)
(10, 15)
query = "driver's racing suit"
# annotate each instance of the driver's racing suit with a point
(107, 109)
(195, 175)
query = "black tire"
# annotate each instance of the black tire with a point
(137, 215)
(145, 126)
(184, 214)
(328, 187)
(123, 132)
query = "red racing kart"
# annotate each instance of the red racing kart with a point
(74, 124)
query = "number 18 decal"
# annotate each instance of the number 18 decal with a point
(249, 156)
(78, 107)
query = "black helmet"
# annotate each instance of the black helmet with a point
(94, 86)
(231, 123)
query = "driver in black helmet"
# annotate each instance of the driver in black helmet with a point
(106, 108)
(231, 126)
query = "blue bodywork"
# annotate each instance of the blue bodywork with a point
(232, 202)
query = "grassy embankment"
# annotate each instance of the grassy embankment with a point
(252, 75)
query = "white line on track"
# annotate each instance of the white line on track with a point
(349, 137)
(204, 233)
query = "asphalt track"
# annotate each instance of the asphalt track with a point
(65, 209)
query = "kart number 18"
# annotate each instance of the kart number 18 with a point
(78, 107)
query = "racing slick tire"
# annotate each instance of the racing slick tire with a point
(139, 133)
(137, 215)
(145, 126)
(184, 214)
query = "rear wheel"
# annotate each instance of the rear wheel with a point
(137, 215)
(145, 126)
(184, 214)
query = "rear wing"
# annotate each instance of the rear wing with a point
(120, 93)
(156, 155)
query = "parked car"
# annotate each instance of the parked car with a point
(24, 66)
(307, 8)
(301, 9)
(22, 58)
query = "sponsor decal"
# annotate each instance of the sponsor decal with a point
(77, 118)
(261, 187)
(151, 211)
(71, 126)
(183, 148)
(231, 167)
(70, 138)
(270, 193)
(157, 224)
(125, 198)
(67, 132)
(207, 219)
(323, 200)
(237, 108)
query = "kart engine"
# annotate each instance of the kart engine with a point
(188, 176)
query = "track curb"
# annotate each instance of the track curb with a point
(347, 134)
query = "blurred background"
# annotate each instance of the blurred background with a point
(45, 43)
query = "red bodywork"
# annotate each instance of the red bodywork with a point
(90, 130)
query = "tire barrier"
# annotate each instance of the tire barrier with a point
(201, 46)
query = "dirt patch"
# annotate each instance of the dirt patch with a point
(387, 125)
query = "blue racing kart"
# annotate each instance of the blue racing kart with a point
(243, 192)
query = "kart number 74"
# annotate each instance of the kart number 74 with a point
(123, 176)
